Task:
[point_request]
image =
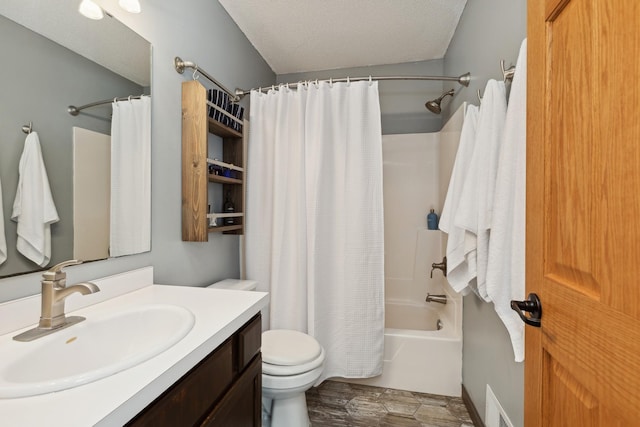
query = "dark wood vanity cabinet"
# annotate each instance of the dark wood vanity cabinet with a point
(224, 389)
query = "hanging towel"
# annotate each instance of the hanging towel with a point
(457, 267)
(33, 207)
(3, 240)
(476, 202)
(505, 270)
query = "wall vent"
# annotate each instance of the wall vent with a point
(495, 415)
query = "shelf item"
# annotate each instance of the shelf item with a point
(196, 128)
(225, 165)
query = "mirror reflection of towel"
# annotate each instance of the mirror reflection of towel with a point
(3, 241)
(33, 207)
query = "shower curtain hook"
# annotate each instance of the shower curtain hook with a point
(479, 96)
(195, 73)
(330, 82)
(348, 81)
(370, 80)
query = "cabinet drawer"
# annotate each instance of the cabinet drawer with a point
(194, 394)
(249, 340)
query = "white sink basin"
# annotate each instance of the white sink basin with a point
(96, 348)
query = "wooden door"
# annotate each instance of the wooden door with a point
(583, 213)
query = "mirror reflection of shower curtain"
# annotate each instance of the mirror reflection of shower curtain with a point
(3, 240)
(314, 230)
(131, 177)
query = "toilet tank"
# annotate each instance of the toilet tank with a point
(237, 284)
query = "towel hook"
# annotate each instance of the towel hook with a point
(507, 74)
(27, 128)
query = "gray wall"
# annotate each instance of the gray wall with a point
(199, 31)
(401, 102)
(49, 78)
(488, 31)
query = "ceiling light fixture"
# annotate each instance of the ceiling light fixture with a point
(90, 9)
(131, 6)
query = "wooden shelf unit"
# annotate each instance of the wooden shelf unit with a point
(196, 126)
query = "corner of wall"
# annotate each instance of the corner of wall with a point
(482, 39)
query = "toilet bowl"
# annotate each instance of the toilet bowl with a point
(292, 362)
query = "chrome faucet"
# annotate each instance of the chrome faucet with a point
(440, 266)
(54, 293)
(440, 299)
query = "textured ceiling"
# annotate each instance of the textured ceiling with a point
(311, 35)
(100, 41)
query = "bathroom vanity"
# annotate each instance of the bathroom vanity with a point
(224, 389)
(212, 376)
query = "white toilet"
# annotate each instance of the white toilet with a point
(291, 363)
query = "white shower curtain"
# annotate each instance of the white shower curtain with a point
(314, 226)
(130, 177)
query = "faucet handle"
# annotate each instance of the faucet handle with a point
(56, 273)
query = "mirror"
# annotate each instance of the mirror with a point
(54, 58)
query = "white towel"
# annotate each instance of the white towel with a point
(476, 202)
(457, 268)
(3, 240)
(33, 207)
(505, 270)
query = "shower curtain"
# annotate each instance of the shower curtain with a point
(314, 226)
(130, 220)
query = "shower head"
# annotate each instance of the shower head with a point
(434, 105)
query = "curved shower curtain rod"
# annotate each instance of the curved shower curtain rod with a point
(463, 80)
(181, 65)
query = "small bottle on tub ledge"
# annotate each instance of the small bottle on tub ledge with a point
(432, 220)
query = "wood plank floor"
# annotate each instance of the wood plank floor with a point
(338, 404)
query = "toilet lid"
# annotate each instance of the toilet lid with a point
(286, 348)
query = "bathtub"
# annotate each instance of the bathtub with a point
(417, 356)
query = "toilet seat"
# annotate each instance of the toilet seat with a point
(291, 370)
(286, 352)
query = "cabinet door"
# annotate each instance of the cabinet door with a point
(193, 395)
(242, 405)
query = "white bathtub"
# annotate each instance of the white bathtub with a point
(417, 357)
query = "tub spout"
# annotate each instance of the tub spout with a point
(440, 299)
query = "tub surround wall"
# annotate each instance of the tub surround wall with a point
(193, 33)
(410, 171)
(488, 31)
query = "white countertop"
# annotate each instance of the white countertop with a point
(114, 400)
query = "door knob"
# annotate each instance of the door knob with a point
(531, 305)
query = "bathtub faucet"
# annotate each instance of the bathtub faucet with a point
(440, 299)
(440, 266)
